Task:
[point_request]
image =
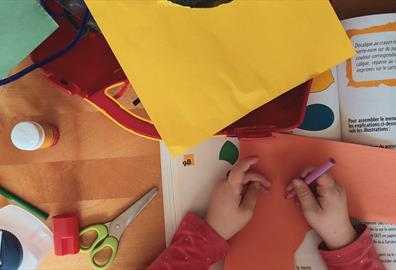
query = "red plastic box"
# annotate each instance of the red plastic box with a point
(66, 235)
(90, 69)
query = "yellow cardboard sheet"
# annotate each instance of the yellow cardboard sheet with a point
(198, 70)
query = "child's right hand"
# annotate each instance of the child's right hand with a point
(328, 213)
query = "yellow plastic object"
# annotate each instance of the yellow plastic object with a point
(322, 82)
(197, 70)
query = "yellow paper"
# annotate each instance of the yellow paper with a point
(198, 70)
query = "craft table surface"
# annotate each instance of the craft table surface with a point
(97, 169)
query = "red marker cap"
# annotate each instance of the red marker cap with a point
(66, 234)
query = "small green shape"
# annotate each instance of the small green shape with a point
(229, 152)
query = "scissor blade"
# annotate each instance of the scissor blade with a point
(119, 224)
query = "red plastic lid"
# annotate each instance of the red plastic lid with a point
(87, 68)
(281, 114)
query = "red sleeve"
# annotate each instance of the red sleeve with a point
(194, 246)
(360, 255)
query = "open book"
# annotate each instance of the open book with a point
(357, 106)
(356, 101)
(188, 179)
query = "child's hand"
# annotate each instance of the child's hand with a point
(234, 199)
(328, 213)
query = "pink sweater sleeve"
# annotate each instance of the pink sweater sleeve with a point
(360, 255)
(195, 246)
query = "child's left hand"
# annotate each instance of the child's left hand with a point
(233, 200)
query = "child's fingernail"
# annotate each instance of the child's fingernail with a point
(263, 189)
(290, 195)
(266, 183)
(296, 183)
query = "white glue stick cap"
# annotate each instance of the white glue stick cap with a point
(27, 136)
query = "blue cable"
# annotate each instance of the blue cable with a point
(53, 57)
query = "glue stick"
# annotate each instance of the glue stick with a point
(31, 136)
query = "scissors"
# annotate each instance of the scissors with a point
(109, 234)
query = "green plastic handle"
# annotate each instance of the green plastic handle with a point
(25, 205)
(102, 233)
(110, 242)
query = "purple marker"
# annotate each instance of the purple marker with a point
(315, 174)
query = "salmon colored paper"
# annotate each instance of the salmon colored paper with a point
(278, 227)
(197, 70)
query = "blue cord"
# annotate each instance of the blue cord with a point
(53, 57)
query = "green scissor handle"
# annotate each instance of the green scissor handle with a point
(109, 242)
(102, 233)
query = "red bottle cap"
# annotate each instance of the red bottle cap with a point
(66, 234)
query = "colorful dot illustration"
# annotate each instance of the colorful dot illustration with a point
(322, 82)
(229, 152)
(317, 117)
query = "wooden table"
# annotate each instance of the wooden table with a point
(97, 169)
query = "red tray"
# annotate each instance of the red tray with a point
(90, 69)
